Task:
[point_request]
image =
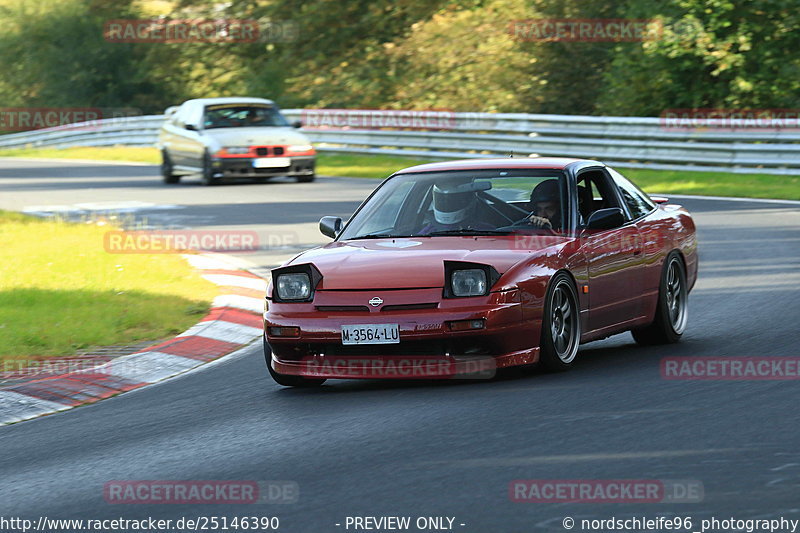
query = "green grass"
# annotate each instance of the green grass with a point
(364, 166)
(103, 153)
(715, 183)
(61, 292)
(380, 166)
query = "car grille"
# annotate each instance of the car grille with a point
(262, 151)
(343, 308)
(402, 348)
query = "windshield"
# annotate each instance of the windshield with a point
(238, 116)
(483, 202)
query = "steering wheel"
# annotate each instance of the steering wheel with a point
(526, 222)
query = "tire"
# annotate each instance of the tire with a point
(561, 325)
(167, 170)
(207, 177)
(672, 309)
(306, 179)
(283, 379)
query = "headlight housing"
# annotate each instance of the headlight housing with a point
(464, 280)
(236, 150)
(295, 283)
(300, 147)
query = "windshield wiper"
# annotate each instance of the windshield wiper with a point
(379, 236)
(469, 231)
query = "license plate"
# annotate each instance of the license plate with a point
(271, 162)
(371, 334)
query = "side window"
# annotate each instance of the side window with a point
(638, 203)
(594, 192)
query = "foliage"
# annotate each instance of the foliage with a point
(455, 54)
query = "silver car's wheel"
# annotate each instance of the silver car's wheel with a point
(207, 177)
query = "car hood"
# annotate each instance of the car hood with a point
(255, 136)
(415, 262)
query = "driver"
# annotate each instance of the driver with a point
(253, 118)
(455, 206)
(545, 205)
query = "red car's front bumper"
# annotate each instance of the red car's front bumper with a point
(428, 347)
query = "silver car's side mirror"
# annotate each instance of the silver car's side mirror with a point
(190, 127)
(330, 226)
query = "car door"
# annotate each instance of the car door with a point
(613, 257)
(186, 143)
(651, 230)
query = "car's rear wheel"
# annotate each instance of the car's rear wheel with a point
(672, 310)
(207, 177)
(306, 179)
(283, 379)
(167, 170)
(561, 325)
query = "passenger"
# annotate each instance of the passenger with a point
(455, 206)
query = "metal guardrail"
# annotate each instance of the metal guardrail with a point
(634, 142)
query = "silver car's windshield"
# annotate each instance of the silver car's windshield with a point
(242, 116)
(482, 202)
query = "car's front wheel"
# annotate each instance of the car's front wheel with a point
(283, 379)
(306, 179)
(167, 169)
(561, 325)
(207, 177)
(672, 309)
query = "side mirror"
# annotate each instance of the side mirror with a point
(190, 127)
(297, 124)
(330, 226)
(609, 218)
(660, 199)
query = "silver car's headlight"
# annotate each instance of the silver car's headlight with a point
(293, 286)
(300, 147)
(237, 149)
(468, 282)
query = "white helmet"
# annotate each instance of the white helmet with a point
(452, 203)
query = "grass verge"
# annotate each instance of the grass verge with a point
(380, 166)
(61, 292)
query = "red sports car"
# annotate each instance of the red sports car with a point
(462, 267)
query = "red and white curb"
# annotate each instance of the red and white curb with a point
(233, 322)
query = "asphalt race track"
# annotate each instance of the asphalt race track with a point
(430, 449)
